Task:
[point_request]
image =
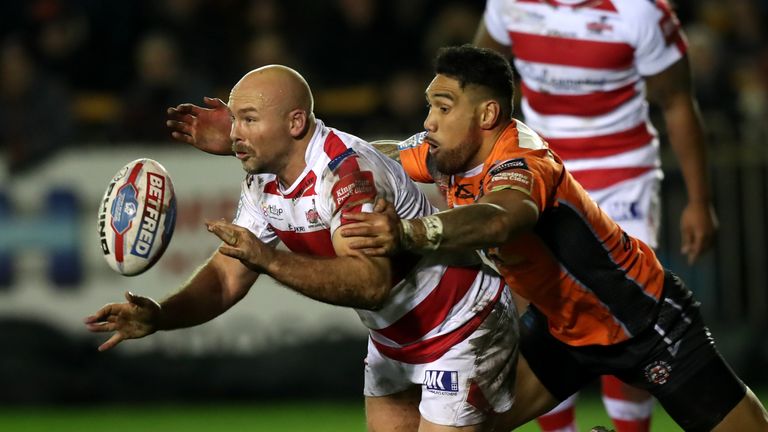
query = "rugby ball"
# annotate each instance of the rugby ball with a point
(137, 216)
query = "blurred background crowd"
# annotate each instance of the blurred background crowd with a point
(94, 71)
(82, 76)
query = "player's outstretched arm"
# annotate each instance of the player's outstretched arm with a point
(494, 220)
(214, 288)
(349, 279)
(131, 320)
(204, 128)
(671, 90)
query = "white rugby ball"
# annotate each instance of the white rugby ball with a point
(137, 216)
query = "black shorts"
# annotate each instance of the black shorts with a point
(674, 359)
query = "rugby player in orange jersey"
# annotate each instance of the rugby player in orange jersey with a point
(600, 301)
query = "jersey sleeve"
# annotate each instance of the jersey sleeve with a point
(352, 184)
(531, 175)
(414, 153)
(250, 216)
(658, 38)
(494, 21)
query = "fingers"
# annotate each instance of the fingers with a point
(374, 252)
(213, 102)
(357, 230)
(356, 216)
(225, 231)
(178, 136)
(695, 248)
(184, 109)
(102, 326)
(381, 204)
(141, 301)
(183, 125)
(101, 315)
(232, 252)
(366, 243)
(111, 342)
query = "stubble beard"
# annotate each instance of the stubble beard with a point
(455, 160)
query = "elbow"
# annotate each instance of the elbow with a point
(500, 229)
(376, 296)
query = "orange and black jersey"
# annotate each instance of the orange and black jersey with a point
(594, 283)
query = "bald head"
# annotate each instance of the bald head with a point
(274, 86)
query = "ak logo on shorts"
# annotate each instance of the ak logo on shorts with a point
(658, 372)
(441, 382)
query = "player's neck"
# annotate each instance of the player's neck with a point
(488, 141)
(297, 161)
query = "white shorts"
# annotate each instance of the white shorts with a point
(635, 205)
(473, 379)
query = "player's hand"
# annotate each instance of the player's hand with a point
(132, 320)
(377, 233)
(205, 128)
(241, 244)
(698, 225)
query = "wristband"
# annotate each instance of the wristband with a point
(406, 234)
(434, 231)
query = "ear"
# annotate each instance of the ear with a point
(297, 122)
(490, 112)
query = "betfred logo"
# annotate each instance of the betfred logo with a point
(149, 220)
(438, 381)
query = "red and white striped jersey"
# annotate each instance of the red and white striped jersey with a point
(581, 65)
(433, 304)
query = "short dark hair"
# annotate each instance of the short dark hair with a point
(480, 66)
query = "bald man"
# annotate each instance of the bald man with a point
(443, 338)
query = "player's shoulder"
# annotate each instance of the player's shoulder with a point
(349, 154)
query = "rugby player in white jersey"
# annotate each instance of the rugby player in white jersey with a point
(443, 332)
(586, 68)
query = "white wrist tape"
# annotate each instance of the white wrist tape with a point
(406, 234)
(434, 231)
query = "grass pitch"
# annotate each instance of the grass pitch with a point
(259, 417)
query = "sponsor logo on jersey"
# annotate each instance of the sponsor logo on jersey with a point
(153, 206)
(313, 216)
(624, 210)
(518, 179)
(463, 191)
(335, 162)
(598, 27)
(442, 382)
(272, 211)
(510, 164)
(354, 189)
(658, 372)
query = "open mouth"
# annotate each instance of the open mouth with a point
(240, 152)
(433, 145)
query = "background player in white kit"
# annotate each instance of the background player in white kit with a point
(586, 68)
(443, 338)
